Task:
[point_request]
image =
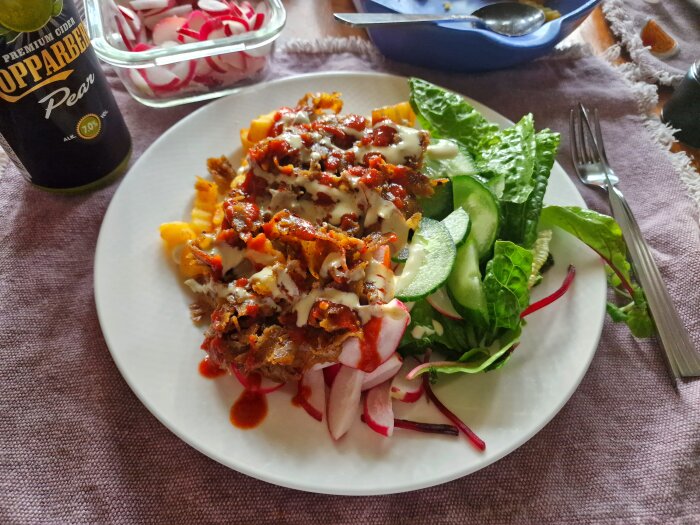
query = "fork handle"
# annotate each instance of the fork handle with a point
(681, 356)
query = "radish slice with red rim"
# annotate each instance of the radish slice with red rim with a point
(139, 82)
(384, 372)
(343, 401)
(142, 5)
(167, 29)
(213, 7)
(125, 33)
(378, 412)
(312, 394)
(440, 300)
(404, 389)
(330, 372)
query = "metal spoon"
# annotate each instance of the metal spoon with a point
(506, 18)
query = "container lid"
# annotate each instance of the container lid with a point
(100, 18)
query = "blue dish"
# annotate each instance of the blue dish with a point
(462, 47)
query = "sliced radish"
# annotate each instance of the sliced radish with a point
(142, 46)
(330, 372)
(215, 65)
(131, 18)
(141, 5)
(233, 6)
(232, 61)
(404, 389)
(139, 82)
(180, 10)
(125, 33)
(257, 21)
(167, 29)
(380, 341)
(312, 394)
(213, 7)
(378, 412)
(343, 400)
(383, 372)
(160, 78)
(186, 35)
(235, 26)
(196, 19)
(247, 9)
(440, 300)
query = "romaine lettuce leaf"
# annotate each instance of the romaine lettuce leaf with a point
(447, 115)
(509, 158)
(520, 220)
(506, 286)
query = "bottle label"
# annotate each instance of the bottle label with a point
(54, 97)
(45, 61)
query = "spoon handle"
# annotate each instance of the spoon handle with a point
(375, 19)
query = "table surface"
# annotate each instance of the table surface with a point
(311, 17)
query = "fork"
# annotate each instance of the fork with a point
(593, 169)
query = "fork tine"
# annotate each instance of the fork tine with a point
(592, 147)
(583, 145)
(574, 148)
(599, 136)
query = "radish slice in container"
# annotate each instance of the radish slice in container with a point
(131, 18)
(161, 78)
(215, 65)
(181, 10)
(233, 6)
(257, 21)
(235, 26)
(343, 401)
(406, 390)
(125, 32)
(383, 372)
(231, 61)
(167, 29)
(141, 5)
(440, 300)
(312, 394)
(139, 82)
(213, 7)
(378, 412)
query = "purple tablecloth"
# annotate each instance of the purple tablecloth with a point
(76, 446)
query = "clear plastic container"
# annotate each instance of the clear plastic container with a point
(180, 72)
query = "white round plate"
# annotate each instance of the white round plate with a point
(143, 311)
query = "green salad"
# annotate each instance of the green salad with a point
(483, 241)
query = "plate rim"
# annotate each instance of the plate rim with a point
(272, 477)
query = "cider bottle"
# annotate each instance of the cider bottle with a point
(59, 122)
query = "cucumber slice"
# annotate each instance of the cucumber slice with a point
(458, 224)
(430, 259)
(483, 209)
(464, 284)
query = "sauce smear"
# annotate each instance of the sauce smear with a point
(302, 396)
(209, 370)
(369, 360)
(249, 409)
